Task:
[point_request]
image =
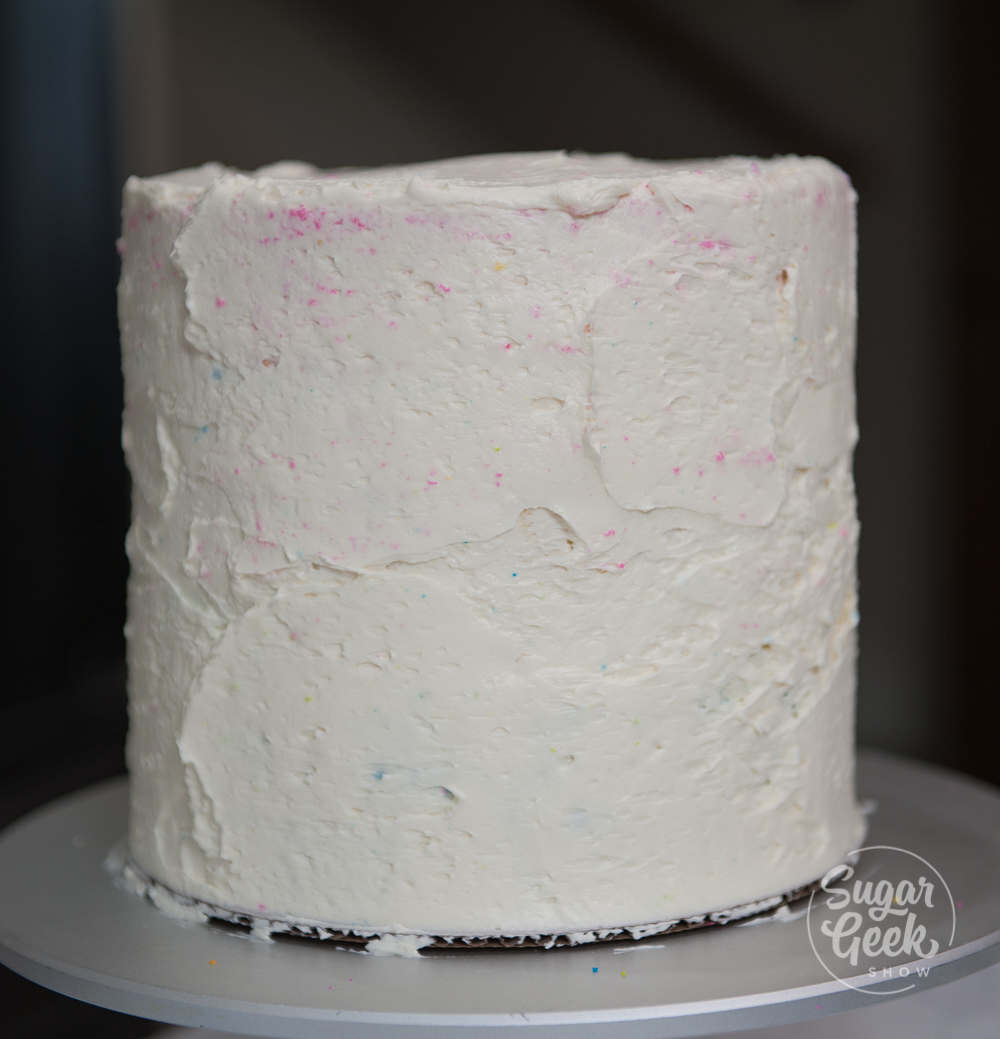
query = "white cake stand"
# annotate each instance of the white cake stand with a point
(65, 925)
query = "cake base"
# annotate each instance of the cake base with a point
(65, 925)
(192, 909)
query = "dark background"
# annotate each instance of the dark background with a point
(901, 94)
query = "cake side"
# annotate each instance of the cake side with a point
(493, 539)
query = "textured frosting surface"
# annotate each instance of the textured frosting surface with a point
(493, 542)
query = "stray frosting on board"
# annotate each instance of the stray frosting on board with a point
(493, 542)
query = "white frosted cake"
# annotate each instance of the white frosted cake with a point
(493, 542)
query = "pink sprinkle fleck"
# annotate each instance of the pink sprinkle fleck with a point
(443, 288)
(621, 566)
(707, 244)
(291, 464)
(219, 301)
(677, 470)
(507, 346)
(720, 456)
(313, 302)
(610, 533)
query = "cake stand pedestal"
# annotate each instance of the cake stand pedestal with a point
(66, 925)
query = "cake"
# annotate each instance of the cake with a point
(493, 541)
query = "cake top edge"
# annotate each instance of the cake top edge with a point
(522, 179)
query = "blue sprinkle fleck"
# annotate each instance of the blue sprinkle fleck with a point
(217, 374)
(514, 574)
(378, 774)
(204, 429)
(604, 667)
(595, 969)
(423, 595)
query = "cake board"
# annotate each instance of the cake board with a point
(66, 925)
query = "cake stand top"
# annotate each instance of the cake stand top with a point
(66, 925)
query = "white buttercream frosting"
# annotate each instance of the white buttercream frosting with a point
(493, 542)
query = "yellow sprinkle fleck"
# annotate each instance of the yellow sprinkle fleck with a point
(552, 749)
(499, 266)
(623, 974)
(212, 963)
(308, 699)
(496, 449)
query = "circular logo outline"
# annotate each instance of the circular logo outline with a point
(852, 857)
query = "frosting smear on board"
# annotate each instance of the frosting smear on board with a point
(494, 536)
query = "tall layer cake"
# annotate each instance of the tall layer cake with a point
(493, 547)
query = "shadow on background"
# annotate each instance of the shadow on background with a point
(96, 89)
